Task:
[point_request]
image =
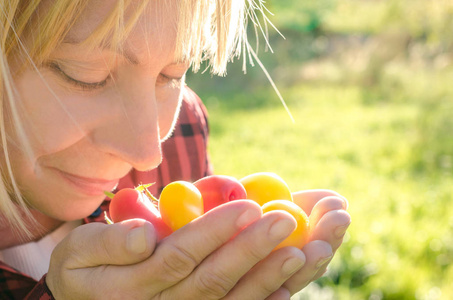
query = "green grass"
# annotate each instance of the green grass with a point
(401, 236)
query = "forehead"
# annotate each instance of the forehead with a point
(146, 24)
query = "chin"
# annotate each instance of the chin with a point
(81, 210)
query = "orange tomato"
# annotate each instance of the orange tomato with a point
(299, 236)
(180, 202)
(263, 187)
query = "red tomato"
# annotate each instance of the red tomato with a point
(129, 203)
(180, 202)
(219, 189)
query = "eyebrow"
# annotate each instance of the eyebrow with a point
(129, 56)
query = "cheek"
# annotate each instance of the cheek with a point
(55, 202)
(45, 119)
(44, 193)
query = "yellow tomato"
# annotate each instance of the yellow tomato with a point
(180, 202)
(299, 236)
(266, 186)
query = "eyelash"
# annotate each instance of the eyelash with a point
(174, 82)
(90, 86)
(86, 86)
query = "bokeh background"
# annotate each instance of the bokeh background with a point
(370, 86)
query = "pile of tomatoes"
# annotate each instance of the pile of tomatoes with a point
(181, 202)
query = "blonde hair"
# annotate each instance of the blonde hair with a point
(212, 31)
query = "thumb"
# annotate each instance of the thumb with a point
(95, 244)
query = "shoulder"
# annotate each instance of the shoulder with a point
(192, 100)
(17, 285)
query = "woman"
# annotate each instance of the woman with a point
(91, 90)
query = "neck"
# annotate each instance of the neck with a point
(39, 227)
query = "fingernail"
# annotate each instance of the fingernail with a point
(341, 230)
(281, 229)
(292, 265)
(322, 261)
(346, 203)
(246, 218)
(137, 240)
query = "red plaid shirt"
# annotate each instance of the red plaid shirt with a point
(184, 158)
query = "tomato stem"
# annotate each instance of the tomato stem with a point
(144, 189)
(107, 219)
(109, 194)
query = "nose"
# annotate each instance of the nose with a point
(130, 128)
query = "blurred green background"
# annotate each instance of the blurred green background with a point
(370, 86)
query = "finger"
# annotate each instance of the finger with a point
(265, 279)
(325, 205)
(317, 253)
(220, 272)
(97, 244)
(180, 253)
(331, 228)
(280, 294)
(308, 198)
(73, 262)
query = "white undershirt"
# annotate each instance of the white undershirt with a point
(33, 258)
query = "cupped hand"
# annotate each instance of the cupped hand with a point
(226, 253)
(220, 255)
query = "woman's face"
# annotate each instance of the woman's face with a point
(92, 116)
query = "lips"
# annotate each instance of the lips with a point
(86, 185)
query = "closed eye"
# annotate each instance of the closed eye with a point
(173, 81)
(77, 83)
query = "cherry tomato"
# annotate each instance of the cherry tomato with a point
(219, 189)
(299, 236)
(129, 203)
(180, 202)
(266, 186)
